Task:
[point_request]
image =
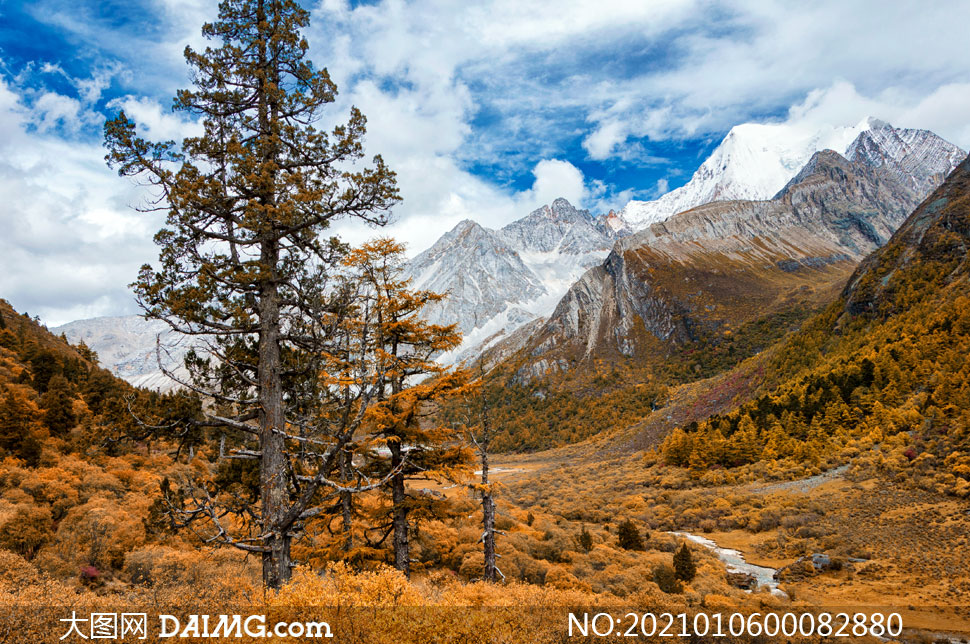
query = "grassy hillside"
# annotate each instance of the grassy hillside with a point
(883, 372)
(82, 515)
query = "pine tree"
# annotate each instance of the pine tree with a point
(628, 536)
(666, 579)
(585, 540)
(684, 565)
(20, 427)
(242, 261)
(478, 427)
(58, 405)
(87, 352)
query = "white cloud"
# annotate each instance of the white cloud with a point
(52, 111)
(71, 243)
(154, 122)
(554, 178)
(941, 111)
(888, 56)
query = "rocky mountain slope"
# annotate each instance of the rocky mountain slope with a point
(754, 162)
(700, 276)
(497, 280)
(127, 346)
(879, 376)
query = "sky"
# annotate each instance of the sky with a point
(486, 110)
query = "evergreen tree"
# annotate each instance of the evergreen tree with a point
(242, 261)
(44, 365)
(20, 427)
(628, 536)
(87, 352)
(666, 578)
(58, 405)
(684, 565)
(479, 429)
(585, 540)
(409, 383)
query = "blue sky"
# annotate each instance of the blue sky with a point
(485, 109)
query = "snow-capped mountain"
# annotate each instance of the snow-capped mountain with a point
(497, 280)
(126, 345)
(917, 158)
(480, 272)
(716, 267)
(756, 160)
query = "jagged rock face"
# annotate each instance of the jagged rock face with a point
(498, 280)
(854, 203)
(126, 346)
(480, 273)
(712, 267)
(558, 227)
(755, 161)
(926, 254)
(919, 159)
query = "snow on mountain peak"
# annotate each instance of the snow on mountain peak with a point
(754, 161)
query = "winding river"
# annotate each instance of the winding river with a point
(734, 561)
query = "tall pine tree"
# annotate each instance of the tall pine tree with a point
(243, 264)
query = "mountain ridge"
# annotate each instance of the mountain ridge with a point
(838, 212)
(755, 161)
(499, 280)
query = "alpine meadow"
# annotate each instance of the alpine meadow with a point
(613, 320)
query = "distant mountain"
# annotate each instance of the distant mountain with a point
(705, 272)
(126, 345)
(755, 161)
(497, 280)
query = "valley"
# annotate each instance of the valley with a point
(743, 372)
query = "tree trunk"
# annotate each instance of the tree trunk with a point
(273, 490)
(488, 521)
(347, 501)
(402, 554)
(272, 421)
(273, 485)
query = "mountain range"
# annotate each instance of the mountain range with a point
(756, 160)
(764, 197)
(498, 280)
(702, 274)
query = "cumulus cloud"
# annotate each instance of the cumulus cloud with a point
(154, 122)
(71, 242)
(486, 110)
(555, 178)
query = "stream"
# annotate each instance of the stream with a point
(734, 561)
